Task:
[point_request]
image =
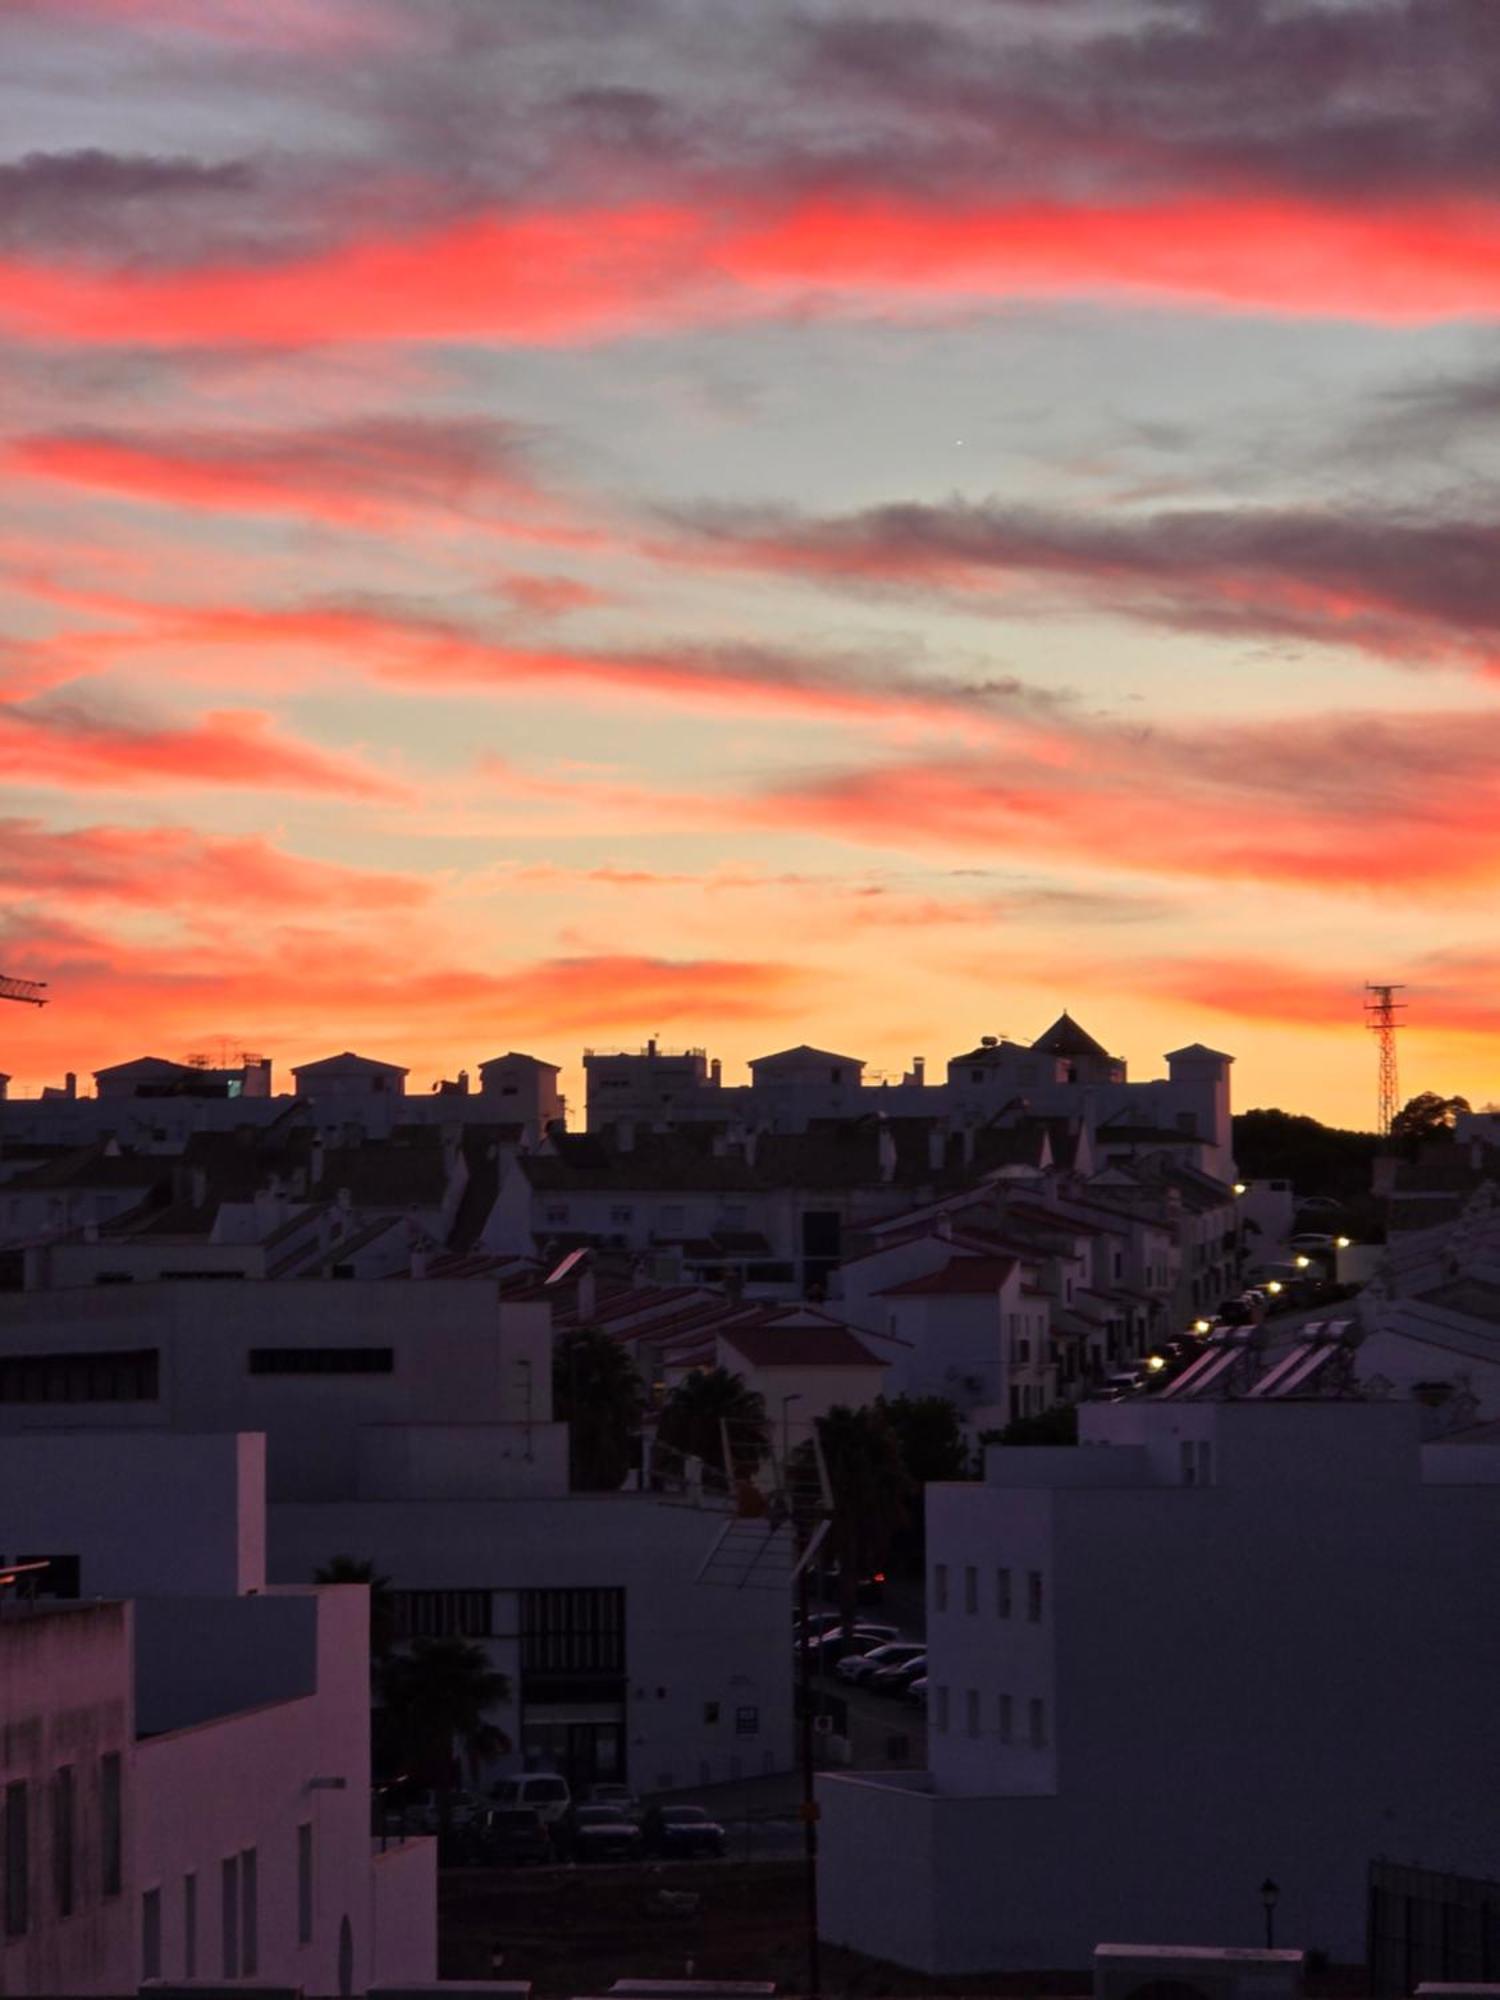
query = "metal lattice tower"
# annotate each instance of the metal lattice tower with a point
(1381, 1010)
(32, 992)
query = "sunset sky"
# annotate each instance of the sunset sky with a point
(534, 522)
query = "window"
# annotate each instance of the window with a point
(62, 1840)
(249, 1911)
(1002, 1593)
(620, 1214)
(710, 1712)
(971, 1711)
(151, 1934)
(1038, 1713)
(573, 1631)
(1005, 1718)
(555, 1213)
(835, 1075)
(940, 1710)
(190, 1927)
(940, 1587)
(442, 1614)
(17, 1861)
(1034, 1596)
(971, 1588)
(128, 1376)
(322, 1361)
(976, 1076)
(111, 1858)
(747, 1722)
(229, 1916)
(305, 1883)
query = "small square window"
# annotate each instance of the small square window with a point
(1034, 1596)
(940, 1710)
(1002, 1593)
(1005, 1718)
(971, 1588)
(940, 1587)
(747, 1722)
(1038, 1715)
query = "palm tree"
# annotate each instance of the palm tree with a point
(697, 1414)
(597, 1392)
(870, 1488)
(436, 1697)
(359, 1569)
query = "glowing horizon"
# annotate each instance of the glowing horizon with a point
(535, 525)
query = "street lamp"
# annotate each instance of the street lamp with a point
(1269, 1891)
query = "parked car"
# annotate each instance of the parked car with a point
(544, 1791)
(833, 1646)
(1312, 1239)
(896, 1678)
(599, 1833)
(1124, 1383)
(916, 1692)
(508, 1837)
(859, 1667)
(621, 1797)
(682, 1830)
(1319, 1204)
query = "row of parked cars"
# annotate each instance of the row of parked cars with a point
(872, 1656)
(534, 1819)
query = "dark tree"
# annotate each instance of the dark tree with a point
(359, 1569)
(698, 1411)
(1059, 1425)
(1316, 1159)
(932, 1446)
(597, 1392)
(436, 1699)
(871, 1496)
(1428, 1116)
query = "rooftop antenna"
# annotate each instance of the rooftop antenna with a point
(1381, 1010)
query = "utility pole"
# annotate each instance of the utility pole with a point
(1381, 1010)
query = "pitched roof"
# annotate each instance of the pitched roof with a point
(961, 1276)
(805, 1049)
(1066, 1038)
(537, 1062)
(347, 1059)
(1198, 1049)
(827, 1346)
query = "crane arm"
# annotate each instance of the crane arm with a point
(31, 991)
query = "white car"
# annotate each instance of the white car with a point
(859, 1666)
(544, 1792)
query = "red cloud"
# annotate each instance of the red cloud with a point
(174, 869)
(67, 747)
(585, 273)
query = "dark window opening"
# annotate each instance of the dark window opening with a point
(322, 1361)
(572, 1631)
(124, 1376)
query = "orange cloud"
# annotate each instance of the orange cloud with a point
(365, 988)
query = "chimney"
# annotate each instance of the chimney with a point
(919, 1070)
(587, 1294)
(715, 1072)
(463, 1083)
(70, 1085)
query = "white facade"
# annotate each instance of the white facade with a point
(237, 1717)
(1212, 1642)
(410, 1423)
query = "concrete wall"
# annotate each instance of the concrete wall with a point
(459, 1357)
(687, 1644)
(1284, 1672)
(216, 1791)
(65, 1701)
(147, 1513)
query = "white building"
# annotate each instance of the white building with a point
(186, 1774)
(1213, 1642)
(410, 1423)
